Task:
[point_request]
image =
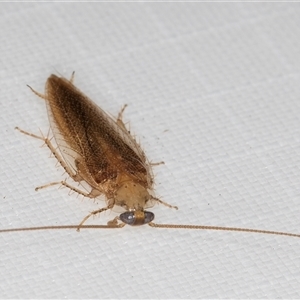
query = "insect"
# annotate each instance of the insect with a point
(96, 149)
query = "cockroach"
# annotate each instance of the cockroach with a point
(97, 149)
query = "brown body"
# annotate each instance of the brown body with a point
(94, 148)
(99, 150)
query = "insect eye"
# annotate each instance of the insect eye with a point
(149, 216)
(136, 217)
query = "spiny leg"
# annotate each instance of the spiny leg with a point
(164, 203)
(95, 212)
(37, 93)
(76, 177)
(72, 77)
(47, 141)
(64, 183)
(156, 163)
(120, 117)
(111, 224)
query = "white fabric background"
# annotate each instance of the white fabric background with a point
(214, 91)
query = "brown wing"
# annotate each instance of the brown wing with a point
(83, 131)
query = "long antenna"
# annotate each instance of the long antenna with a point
(203, 227)
(63, 227)
(166, 226)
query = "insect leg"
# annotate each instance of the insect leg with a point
(64, 183)
(156, 164)
(95, 212)
(119, 119)
(47, 141)
(164, 203)
(75, 176)
(72, 77)
(37, 93)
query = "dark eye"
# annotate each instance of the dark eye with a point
(149, 216)
(136, 217)
(127, 217)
